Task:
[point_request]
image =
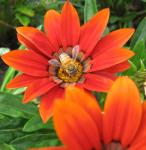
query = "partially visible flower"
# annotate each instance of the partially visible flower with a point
(67, 54)
(81, 125)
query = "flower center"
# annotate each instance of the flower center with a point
(114, 146)
(68, 66)
(70, 69)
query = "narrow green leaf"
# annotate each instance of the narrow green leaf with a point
(142, 66)
(35, 123)
(90, 9)
(10, 73)
(6, 147)
(140, 33)
(132, 70)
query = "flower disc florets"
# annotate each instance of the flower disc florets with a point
(70, 72)
(68, 67)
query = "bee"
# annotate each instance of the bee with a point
(68, 63)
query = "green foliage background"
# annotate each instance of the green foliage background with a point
(20, 125)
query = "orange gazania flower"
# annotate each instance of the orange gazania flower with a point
(81, 125)
(67, 54)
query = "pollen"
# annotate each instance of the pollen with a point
(71, 72)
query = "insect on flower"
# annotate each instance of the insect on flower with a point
(81, 125)
(67, 54)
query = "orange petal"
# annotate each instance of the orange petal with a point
(21, 80)
(97, 83)
(113, 40)
(52, 23)
(38, 88)
(75, 127)
(27, 61)
(70, 25)
(49, 148)
(139, 142)
(118, 68)
(35, 40)
(122, 112)
(92, 31)
(106, 74)
(110, 58)
(87, 101)
(47, 102)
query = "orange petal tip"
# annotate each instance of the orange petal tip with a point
(18, 29)
(105, 10)
(44, 118)
(25, 101)
(6, 57)
(129, 31)
(23, 29)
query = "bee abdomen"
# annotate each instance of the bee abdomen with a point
(64, 58)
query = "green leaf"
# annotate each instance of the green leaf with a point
(6, 147)
(140, 33)
(4, 50)
(142, 66)
(26, 11)
(140, 52)
(132, 70)
(12, 106)
(1, 116)
(10, 73)
(35, 140)
(10, 128)
(24, 20)
(35, 123)
(10, 111)
(90, 9)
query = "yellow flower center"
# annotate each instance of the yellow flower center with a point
(70, 71)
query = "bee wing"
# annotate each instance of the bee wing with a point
(75, 52)
(54, 62)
